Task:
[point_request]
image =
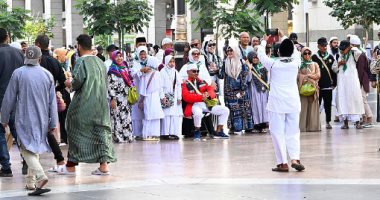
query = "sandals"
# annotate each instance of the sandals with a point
(344, 127)
(56, 168)
(100, 173)
(39, 191)
(328, 126)
(151, 139)
(298, 166)
(281, 168)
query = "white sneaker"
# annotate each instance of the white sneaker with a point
(56, 168)
(63, 170)
(62, 144)
(238, 133)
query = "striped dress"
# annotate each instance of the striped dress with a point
(88, 119)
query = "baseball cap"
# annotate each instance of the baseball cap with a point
(344, 44)
(322, 41)
(32, 55)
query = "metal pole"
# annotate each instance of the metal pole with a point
(307, 29)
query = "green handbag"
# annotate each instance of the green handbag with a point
(307, 89)
(211, 102)
(133, 96)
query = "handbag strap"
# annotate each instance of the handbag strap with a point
(195, 88)
(325, 66)
(150, 79)
(175, 80)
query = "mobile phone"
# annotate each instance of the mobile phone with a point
(272, 31)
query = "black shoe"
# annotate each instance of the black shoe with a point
(164, 137)
(6, 173)
(173, 137)
(24, 169)
(39, 191)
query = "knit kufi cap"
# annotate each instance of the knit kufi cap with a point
(251, 55)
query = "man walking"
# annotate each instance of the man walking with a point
(10, 60)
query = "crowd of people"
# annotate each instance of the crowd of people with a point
(94, 102)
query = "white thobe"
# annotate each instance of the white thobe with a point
(137, 114)
(171, 123)
(349, 97)
(152, 104)
(284, 103)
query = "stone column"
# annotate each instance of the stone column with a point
(56, 12)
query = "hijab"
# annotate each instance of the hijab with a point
(233, 66)
(166, 53)
(138, 51)
(304, 62)
(119, 69)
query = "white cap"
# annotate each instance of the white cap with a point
(355, 40)
(333, 38)
(192, 66)
(166, 41)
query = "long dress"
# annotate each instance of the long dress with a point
(149, 88)
(171, 123)
(88, 120)
(259, 97)
(137, 114)
(349, 97)
(310, 116)
(121, 120)
(240, 117)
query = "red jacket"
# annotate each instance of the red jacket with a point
(189, 95)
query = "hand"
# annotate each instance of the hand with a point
(5, 125)
(280, 33)
(51, 130)
(265, 37)
(213, 84)
(68, 83)
(141, 105)
(164, 101)
(374, 55)
(373, 84)
(179, 101)
(204, 96)
(342, 62)
(113, 104)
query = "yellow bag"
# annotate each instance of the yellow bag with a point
(211, 102)
(133, 96)
(307, 89)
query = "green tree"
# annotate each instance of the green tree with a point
(38, 26)
(227, 19)
(103, 17)
(13, 21)
(361, 12)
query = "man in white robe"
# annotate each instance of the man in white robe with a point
(349, 97)
(171, 84)
(284, 103)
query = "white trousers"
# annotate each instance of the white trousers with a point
(221, 112)
(171, 125)
(151, 128)
(285, 132)
(35, 171)
(137, 127)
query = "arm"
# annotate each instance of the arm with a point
(79, 75)
(162, 94)
(211, 92)
(264, 59)
(10, 99)
(317, 75)
(190, 97)
(53, 111)
(61, 78)
(179, 88)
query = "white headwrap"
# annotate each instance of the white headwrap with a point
(139, 50)
(167, 60)
(233, 65)
(191, 59)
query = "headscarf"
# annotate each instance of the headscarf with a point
(233, 66)
(138, 51)
(167, 60)
(191, 59)
(166, 53)
(305, 63)
(119, 69)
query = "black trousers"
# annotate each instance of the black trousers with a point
(62, 115)
(55, 148)
(326, 95)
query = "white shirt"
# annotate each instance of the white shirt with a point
(283, 95)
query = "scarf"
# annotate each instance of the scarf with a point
(325, 55)
(346, 57)
(257, 68)
(233, 66)
(119, 69)
(305, 63)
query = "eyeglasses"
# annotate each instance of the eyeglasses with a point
(195, 71)
(194, 45)
(195, 54)
(211, 45)
(306, 53)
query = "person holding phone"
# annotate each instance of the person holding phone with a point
(284, 104)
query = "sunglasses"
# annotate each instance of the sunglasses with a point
(195, 54)
(195, 71)
(306, 53)
(194, 45)
(211, 45)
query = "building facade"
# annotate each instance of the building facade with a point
(68, 22)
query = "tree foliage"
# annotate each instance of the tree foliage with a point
(271, 7)
(13, 21)
(361, 12)
(229, 19)
(103, 17)
(38, 26)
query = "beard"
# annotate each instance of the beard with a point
(334, 50)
